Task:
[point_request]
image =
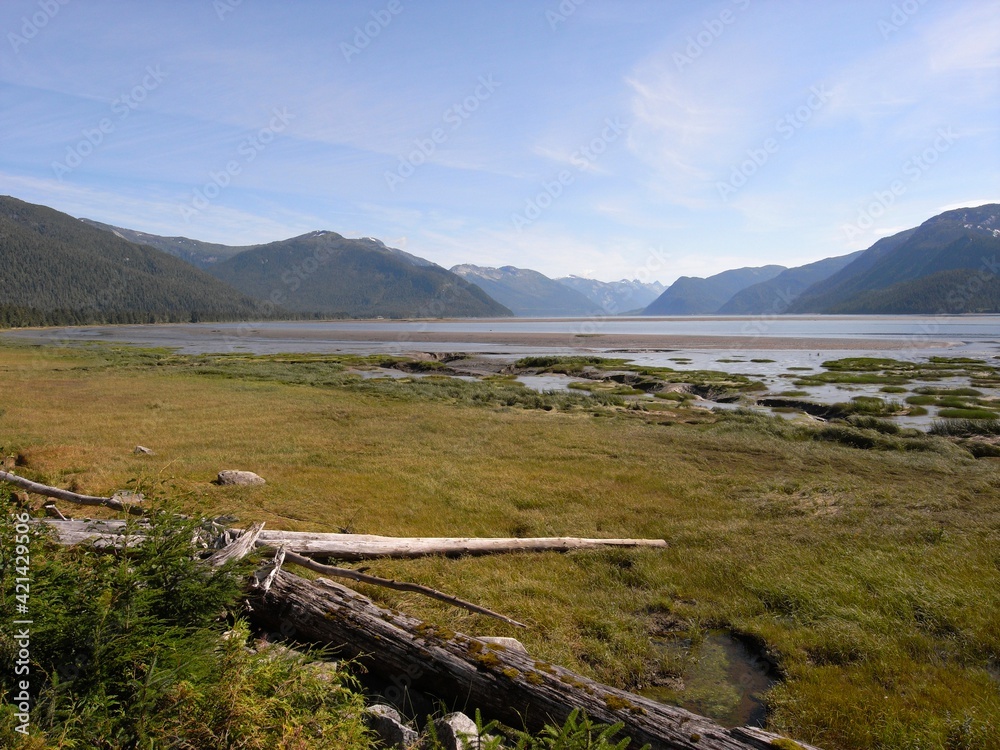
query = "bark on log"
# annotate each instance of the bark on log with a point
(354, 547)
(507, 685)
(70, 497)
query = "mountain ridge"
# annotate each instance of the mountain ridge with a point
(528, 293)
(953, 248)
(56, 269)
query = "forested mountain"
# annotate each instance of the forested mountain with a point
(529, 293)
(57, 270)
(691, 295)
(195, 252)
(776, 295)
(947, 264)
(326, 273)
(615, 297)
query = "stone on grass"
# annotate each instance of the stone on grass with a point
(386, 722)
(511, 644)
(458, 732)
(142, 450)
(231, 476)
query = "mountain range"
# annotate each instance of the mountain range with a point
(330, 275)
(55, 269)
(691, 295)
(949, 264)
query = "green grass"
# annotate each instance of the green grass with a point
(872, 575)
(967, 413)
(966, 427)
(892, 389)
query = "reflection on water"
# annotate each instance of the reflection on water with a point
(722, 679)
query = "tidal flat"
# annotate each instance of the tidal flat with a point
(862, 562)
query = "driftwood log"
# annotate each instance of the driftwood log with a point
(70, 497)
(507, 685)
(354, 547)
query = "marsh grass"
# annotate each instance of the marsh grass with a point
(872, 576)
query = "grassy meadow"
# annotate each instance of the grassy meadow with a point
(870, 575)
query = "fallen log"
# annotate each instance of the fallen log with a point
(354, 575)
(70, 497)
(111, 534)
(355, 547)
(505, 684)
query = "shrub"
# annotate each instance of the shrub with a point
(126, 651)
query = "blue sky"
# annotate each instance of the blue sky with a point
(608, 138)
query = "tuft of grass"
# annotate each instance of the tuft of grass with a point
(963, 413)
(966, 427)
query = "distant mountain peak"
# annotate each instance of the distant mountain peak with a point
(528, 293)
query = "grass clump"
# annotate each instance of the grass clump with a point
(967, 413)
(966, 427)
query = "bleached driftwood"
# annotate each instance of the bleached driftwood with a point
(354, 547)
(70, 497)
(238, 548)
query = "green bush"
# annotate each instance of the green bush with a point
(127, 651)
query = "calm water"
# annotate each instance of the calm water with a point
(981, 332)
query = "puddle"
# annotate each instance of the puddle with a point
(553, 382)
(723, 679)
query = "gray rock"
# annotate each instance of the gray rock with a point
(458, 732)
(128, 497)
(511, 644)
(386, 722)
(230, 476)
(141, 450)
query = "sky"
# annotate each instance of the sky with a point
(603, 138)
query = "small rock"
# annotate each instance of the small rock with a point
(386, 722)
(127, 497)
(230, 476)
(458, 732)
(141, 450)
(511, 644)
